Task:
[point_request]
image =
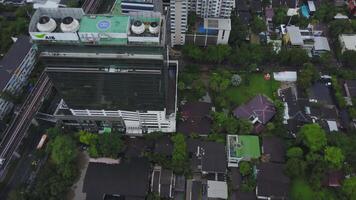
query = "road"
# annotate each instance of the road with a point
(17, 130)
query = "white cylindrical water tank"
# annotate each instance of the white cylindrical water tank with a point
(46, 24)
(153, 28)
(137, 27)
(69, 24)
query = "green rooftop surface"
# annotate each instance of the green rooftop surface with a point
(104, 24)
(250, 147)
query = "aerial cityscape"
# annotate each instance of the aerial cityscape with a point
(177, 99)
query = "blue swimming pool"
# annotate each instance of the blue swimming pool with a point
(305, 11)
(202, 30)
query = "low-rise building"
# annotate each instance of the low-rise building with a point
(242, 147)
(259, 110)
(162, 182)
(211, 31)
(347, 42)
(272, 183)
(15, 68)
(309, 39)
(128, 180)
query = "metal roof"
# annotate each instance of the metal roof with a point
(295, 35)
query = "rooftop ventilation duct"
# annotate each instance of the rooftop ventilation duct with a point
(138, 27)
(153, 28)
(69, 25)
(46, 24)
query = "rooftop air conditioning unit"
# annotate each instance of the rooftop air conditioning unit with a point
(69, 25)
(46, 24)
(153, 28)
(138, 27)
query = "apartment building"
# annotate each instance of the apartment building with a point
(15, 68)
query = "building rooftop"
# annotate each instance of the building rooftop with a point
(104, 24)
(274, 148)
(321, 44)
(13, 58)
(259, 110)
(195, 118)
(271, 181)
(243, 146)
(217, 23)
(217, 189)
(295, 36)
(129, 178)
(211, 155)
(349, 41)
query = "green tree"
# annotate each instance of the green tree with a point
(296, 167)
(295, 152)
(258, 25)
(179, 155)
(245, 126)
(280, 16)
(219, 81)
(349, 59)
(110, 144)
(218, 53)
(334, 156)
(325, 12)
(307, 75)
(193, 52)
(63, 150)
(301, 190)
(88, 138)
(245, 168)
(313, 136)
(239, 31)
(53, 132)
(349, 188)
(231, 125)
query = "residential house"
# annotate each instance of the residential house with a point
(273, 149)
(339, 3)
(206, 189)
(260, 110)
(272, 183)
(208, 163)
(333, 178)
(256, 7)
(347, 42)
(129, 179)
(242, 147)
(308, 39)
(195, 118)
(163, 146)
(351, 5)
(15, 69)
(207, 158)
(269, 14)
(162, 182)
(283, 3)
(243, 11)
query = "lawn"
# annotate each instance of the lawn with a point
(252, 84)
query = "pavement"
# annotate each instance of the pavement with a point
(76, 190)
(23, 168)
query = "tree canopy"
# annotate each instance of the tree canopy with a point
(334, 156)
(349, 188)
(179, 156)
(313, 136)
(258, 25)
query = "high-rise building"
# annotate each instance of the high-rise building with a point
(211, 8)
(112, 72)
(179, 20)
(179, 10)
